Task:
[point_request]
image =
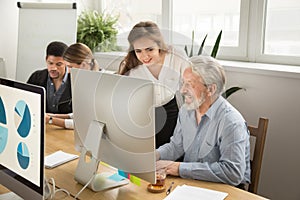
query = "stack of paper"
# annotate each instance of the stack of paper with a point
(58, 158)
(184, 191)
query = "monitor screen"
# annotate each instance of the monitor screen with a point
(114, 121)
(22, 138)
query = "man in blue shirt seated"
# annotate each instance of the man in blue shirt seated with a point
(210, 135)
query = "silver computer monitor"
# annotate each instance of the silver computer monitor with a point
(22, 138)
(114, 122)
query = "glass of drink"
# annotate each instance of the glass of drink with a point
(159, 186)
(160, 178)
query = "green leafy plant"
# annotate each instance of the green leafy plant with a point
(213, 54)
(97, 30)
(214, 50)
(231, 90)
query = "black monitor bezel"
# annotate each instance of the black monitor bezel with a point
(3, 169)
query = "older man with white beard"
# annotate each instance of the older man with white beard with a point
(210, 135)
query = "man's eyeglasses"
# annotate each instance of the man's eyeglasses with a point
(189, 85)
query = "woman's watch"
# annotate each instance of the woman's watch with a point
(50, 120)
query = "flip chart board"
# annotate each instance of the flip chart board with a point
(40, 24)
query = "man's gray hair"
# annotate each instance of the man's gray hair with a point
(210, 71)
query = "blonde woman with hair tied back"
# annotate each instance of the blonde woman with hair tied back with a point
(149, 57)
(77, 55)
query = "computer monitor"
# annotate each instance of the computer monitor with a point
(22, 138)
(114, 122)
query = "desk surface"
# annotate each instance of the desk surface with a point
(60, 139)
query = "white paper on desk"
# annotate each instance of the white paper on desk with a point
(10, 196)
(191, 192)
(58, 158)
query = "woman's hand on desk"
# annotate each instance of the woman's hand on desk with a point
(47, 118)
(61, 120)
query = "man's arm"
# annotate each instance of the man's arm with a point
(174, 149)
(231, 166)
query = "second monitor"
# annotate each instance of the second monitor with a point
(114, 122)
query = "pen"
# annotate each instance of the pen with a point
(170, 188)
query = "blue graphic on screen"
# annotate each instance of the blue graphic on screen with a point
(3, 130)
(23, 121)
(23, 155)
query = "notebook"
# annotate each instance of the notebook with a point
(58, 158)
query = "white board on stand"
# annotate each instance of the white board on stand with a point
(40, 24)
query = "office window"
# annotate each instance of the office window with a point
(204, 17)
(132, 11)
(282, 28)
(253, 30)
(210, 17)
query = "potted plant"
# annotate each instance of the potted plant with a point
(97, 30)
(213, 54)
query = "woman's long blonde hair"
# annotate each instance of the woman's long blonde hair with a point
(79, 52)
(146, 29)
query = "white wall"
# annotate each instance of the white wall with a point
(274, 95)
(9, 35)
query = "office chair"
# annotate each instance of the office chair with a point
(257, 143)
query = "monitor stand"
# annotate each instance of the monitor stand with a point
(86, 171)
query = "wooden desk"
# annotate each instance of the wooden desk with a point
(59, 139)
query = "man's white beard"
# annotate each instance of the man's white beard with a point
(196, 103)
